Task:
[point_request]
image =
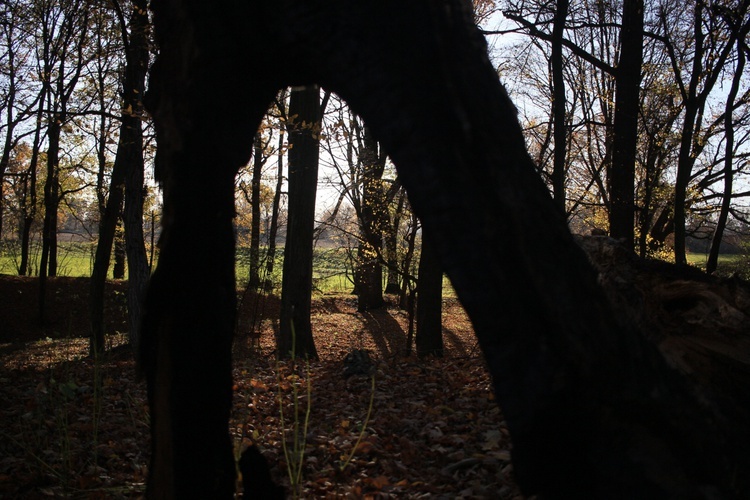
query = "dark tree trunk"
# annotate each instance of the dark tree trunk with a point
(368, 274)
(189, 317)
(646, 215)
(433, 100)
(134, 85)
(107, 229)
(685, 160)
(118, 268)
(429, 303)
(274, 226)
(29, 197)
(721, 223)
(48, 260)
(393, 286)
(258, 161)
(624, 143)
(558, 105)
(408, 282)
(295, 330)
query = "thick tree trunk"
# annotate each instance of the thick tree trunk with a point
(624, 143)
(295, 330)
(433, 100)
(131, 135)
(429, 303)
(186, 339)
(368, 274)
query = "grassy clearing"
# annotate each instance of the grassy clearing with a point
(728, 264)
(75, 259)
(332, 269)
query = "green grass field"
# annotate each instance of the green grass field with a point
(77, 259)
(727, 265)
(74, 259)
(331, 269)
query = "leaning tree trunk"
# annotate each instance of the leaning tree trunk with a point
(433, 100)
(107, 228)
(721, 223)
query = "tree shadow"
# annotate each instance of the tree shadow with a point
(455, 343)
(387, 334)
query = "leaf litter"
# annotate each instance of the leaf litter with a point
(75, 428)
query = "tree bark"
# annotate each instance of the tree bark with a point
(107, 228)
(436, 106)
(721, 223)
(274, 225)
(429, 336)
(29, 195)
(118, 268)
(368, 274)
(189, 318)
(393, 286)
(258, 161)
(295, 330)
(624, 143)
(131, 135)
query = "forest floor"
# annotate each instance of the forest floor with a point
(73, 427)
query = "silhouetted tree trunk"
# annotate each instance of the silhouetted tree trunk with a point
(68, 59)
(48, 259)
(429, 302)
(11, 33)
(258, 161)
(713, 254)
(127, 187)
(624, 142)
(391, 247)
(432, 98)
(118, 268)
(275, 207)
(368, 273)
(407, 282)
(134, 85)
(107, 229)
(28, 208)
(295, 330)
